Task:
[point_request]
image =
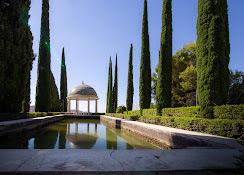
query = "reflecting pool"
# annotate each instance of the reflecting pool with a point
(74, 134)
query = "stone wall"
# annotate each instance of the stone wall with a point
(170, 137)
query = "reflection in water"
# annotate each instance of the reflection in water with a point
(78, 134)
(111, 139)
(82, 140)
(41, 138)
(62, 136)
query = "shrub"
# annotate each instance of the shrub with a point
(121, 109)
(147, 112)
(181, 112)
(221, 112)
(136, 112)
(134, 117)
(229, 112)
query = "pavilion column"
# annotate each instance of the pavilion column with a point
(76, 128)
(88, 105)
(68, 105)
(96, 106)
(68, 128)
(77, 106)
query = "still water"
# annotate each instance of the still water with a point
(76, 134)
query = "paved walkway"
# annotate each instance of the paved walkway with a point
(76, 161)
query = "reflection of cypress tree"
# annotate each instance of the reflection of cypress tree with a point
(62, 136)
(128, 146)
(46, 139)
(111, 139)
(14, 141)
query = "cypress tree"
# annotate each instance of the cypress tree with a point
(28, 55)
(54, 96)
(16, 55)
(163, 90)
(115, 88)
(213, 51)
(43, 75)
(145, 67)
(109, 108)
(130, 86)
(63, 85)
(26, 100)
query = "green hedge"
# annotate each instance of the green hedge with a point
(8, 117)
(176, 112)
(221, 112)
(229, 112)
(181, 112)
(222, 127)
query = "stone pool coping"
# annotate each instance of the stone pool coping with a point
(171, 137)
(74, 160)
(27, 124)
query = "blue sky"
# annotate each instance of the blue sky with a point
(93, 30)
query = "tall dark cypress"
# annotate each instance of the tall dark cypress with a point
(145, 67)
(28, 55)
(54, 96)
(115, 88)
(43, 75)
(130, 86)
(213, 51)
(163, 90)
(63, 84)
(109, 108)
(16, 55)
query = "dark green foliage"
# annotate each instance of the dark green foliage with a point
(63, 85)
(145, 67)
(54, 96)
(115, 88)
(163, 91)
(16, 55)
(229, 112)
(184, 77)
(130, 86)
(220, 112)
(222, 127)
(192, 111)
(109, 107)
(26, 101)
(236, 90)
(43, 74)
(154, 83)
(213, 51)
(121, 109)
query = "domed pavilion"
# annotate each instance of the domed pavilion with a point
(83, 92)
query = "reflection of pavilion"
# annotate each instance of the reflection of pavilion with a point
(82, 93)
(82, 140)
